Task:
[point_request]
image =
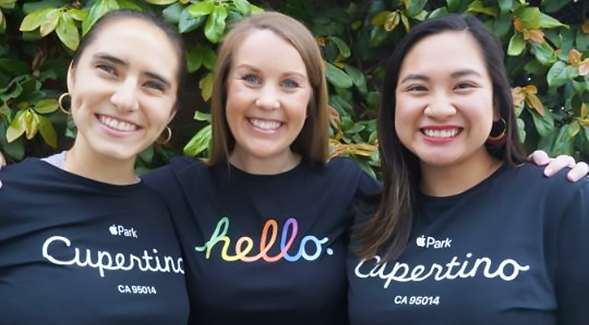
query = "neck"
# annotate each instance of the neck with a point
(264, 166)
(457, 178)
(81, 161)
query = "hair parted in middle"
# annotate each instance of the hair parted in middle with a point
(389, 230)
(312, 141)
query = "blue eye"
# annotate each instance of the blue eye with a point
(289, 84)
(106, 68)
(251, 79)
(155, 85)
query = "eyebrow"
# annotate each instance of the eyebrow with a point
(457, 74)
(120, 62)
(257, 70)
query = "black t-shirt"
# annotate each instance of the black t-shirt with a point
(77, 251)
(512, 250)
(264, 249)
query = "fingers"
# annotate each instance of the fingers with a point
(539, 158)
(579, 171)
(557, 164)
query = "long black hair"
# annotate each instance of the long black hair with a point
(389, 230)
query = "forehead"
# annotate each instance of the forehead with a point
(265, 49)
(137, 42)
(445, 52)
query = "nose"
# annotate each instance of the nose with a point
(125, 96)
(440, 107)
(268, 98)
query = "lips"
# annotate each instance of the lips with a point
(116, 124)
(268, 125)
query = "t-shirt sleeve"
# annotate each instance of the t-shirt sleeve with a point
(572, 273)
(367, 186)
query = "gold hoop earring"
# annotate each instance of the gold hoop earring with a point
(168, 137)
(61, 106)
(495, 140)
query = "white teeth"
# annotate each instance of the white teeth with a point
(265, 125)
(440, 133)
(117, 125)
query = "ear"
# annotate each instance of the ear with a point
(71, 71)
(172, 114)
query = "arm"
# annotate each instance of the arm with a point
(572, 268)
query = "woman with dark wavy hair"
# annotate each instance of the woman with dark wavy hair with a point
(467, 232)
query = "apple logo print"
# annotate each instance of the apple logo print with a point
(113, 230)
(421, 241)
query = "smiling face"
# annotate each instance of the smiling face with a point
(268, 92)
(123, 89)
(444, 101)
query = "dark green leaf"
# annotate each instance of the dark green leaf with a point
(198, 143)
(343, 48)
(188, 23)
(172, 13)
(479, 7)
(544, 125)
(438, 12)
(582, 41)
(536, 68)
(415, 7)
(505, 5)
(502, 25)
(563, 145)
(68, 32)
(47, 131)
(543, 53)
(337, 77)
(99, 8)
(14, 67)
(557, 75)
(209, 58)
(31, 7)
(357, 76)
(194, 58)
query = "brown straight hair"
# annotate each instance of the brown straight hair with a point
(388, 232)
(312, 142)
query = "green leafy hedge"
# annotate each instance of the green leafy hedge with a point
(547, 46)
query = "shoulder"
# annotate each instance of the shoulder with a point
(535, 180)
(351, 172)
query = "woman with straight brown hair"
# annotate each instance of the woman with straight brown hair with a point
(264, 222)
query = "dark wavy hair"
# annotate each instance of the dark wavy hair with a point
(388, 231)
